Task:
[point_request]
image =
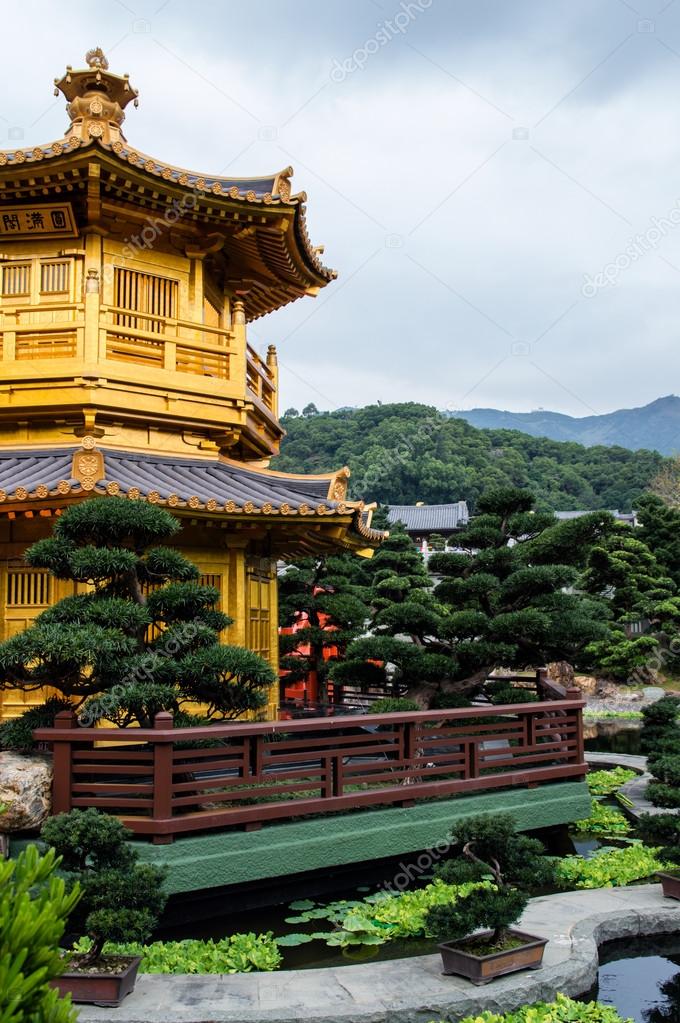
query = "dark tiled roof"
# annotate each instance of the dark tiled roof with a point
(180, 481)
(430, 517)
(630, 517)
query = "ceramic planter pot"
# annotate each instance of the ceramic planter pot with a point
(670, 884)
(480, 969)
(107, 989)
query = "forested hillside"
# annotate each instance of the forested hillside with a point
(403, 453)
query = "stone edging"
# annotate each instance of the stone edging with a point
(408, 990)
(633, 790)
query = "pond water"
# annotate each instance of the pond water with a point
(612, 736)
(558, 841)
(641, 979)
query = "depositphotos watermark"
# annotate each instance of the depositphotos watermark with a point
(398, 24)
(637, 247)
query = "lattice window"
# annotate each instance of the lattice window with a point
(259, 616)
(28, 588)
(16, 279)
(55, 276)
(145, 293)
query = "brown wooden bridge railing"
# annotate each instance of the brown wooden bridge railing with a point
(169, 781)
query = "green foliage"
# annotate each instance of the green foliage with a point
(17, 733)
(608, 868)
(495, 909)
(660, 739)
(393, 705)
(562, 1010)
(604, 820)
(493, 837)
(448, 701)
(606, 783)
(34, 907)
(127, 654)
(122, 899)
(661, 829)
(328, 595)
(504, 598)
(240, 953)
(441, 458)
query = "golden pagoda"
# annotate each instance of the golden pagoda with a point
(126, 289)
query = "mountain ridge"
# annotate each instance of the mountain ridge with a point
(654, 427)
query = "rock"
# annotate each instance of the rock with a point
(607, 690)
(25, 791)
(586, 683)
(653, 693)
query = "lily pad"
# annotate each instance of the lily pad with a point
(292, 940)
(302, 904)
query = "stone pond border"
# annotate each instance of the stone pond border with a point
(408, 990)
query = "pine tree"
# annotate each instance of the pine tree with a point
(325, 597)
(506, 598)
(623, 571)
(145, 638)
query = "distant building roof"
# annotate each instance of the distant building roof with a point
(430, 518)
(629, 517)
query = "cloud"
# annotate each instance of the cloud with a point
(463, 180)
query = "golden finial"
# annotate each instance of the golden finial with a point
(96, 58)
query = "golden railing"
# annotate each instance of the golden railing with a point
(171, 344)
(259, 380)
(50, 331)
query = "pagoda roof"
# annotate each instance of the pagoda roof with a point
(263, 220)
(216, 486)
(429, 517)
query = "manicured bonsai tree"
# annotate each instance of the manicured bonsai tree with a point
(495, 908)
(145, 638)
(122, 899)
(34, 907)
(482, 840)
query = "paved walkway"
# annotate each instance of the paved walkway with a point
(408, 990)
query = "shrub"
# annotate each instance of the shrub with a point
(661, 829)
(17, 733)
(122, 899)
(504, 692)
(663, 795)
(562, 1010)
(393, 705)
(449, 701)
(659, 722)
(521, 859)
(34, 907)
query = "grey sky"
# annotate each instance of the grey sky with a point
(486, 156)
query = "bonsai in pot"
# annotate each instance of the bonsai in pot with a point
(493, 837)
(121, 900)
(663, 829)
(475, 932)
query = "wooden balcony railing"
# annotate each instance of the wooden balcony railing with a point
(162, 783)
(260, 380)
(163, 343)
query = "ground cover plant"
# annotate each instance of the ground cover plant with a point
(609, 868)
(239, 953)
(561, 1010)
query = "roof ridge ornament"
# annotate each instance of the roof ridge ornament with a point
(96, 99)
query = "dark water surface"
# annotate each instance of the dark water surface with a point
(641, 979)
